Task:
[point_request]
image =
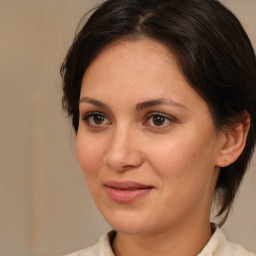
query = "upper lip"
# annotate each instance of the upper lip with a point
(126, 185)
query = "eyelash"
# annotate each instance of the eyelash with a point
(149, 116)
(161, 115)
(87, 117)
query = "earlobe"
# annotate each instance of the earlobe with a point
(233, 142)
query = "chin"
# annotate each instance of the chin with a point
(129, 228)
(127, 222)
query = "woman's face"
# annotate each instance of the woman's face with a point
(146, 142)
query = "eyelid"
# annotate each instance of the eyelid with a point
(92, 113)
(151, 114)
(169, 118)
(85, 117)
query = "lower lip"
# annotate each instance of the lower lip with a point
(126, 196)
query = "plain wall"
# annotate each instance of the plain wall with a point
(45, 207)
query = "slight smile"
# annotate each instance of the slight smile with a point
(127, 191)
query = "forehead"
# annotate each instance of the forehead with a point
(133, 62)
(128, 73)
(139, 46)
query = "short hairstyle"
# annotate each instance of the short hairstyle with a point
(214, 53)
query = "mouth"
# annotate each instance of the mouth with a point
(126, 192)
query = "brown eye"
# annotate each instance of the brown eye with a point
(98, 119)
(95, 119)
(158, 120)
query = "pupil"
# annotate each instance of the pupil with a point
(98, 119)
(158, 120)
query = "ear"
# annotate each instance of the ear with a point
(233, 141)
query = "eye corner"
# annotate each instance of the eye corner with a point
(158, 120)
(95, 119)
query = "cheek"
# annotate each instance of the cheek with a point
(184, 161)
(185, 177)
(89, 155)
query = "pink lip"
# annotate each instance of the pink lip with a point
(126, 192)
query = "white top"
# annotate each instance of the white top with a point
(217, 246)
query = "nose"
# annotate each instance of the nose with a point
(123, 151)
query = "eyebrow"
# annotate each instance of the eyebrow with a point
(155, 102)
(93, 102)
(139, 106)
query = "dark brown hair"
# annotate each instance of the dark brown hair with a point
(212, 48)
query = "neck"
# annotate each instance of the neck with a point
(180, 241)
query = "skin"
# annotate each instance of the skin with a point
(178, 158)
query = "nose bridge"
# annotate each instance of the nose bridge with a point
(123, 151)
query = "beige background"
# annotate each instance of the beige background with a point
(45, 208)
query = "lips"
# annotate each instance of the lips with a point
(126, 192)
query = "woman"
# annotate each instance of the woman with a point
(161, 95)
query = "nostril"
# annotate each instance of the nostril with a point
(122, 154)
(125, 162)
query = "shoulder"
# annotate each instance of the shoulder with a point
(218, 245)
(229, 248)
(102, 248)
